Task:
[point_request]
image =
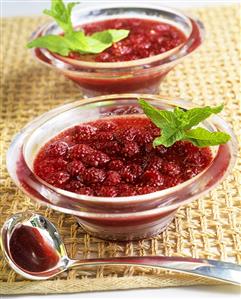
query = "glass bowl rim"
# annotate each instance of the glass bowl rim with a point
(140, 198)
(170, 55)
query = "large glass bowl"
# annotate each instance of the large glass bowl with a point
(119, 218)
(142, 75)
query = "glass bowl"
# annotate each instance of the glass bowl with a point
(142, 75)
(119, 218)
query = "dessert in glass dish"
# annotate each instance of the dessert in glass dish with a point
(115, 164)
(116, 48)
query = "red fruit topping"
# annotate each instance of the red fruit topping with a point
(75, 167)
(146, 38)
(112, 178)
(131, 172)
(96, 159)
(85, 191)
(83, 133)
(130, 149)
(80, 151)
(94, 175)
(155, 163)
(50, 165)
(104, 136)
(57, 149)
(129, 135)
(161, 149)
(107, 191)
(115, 165)
(145, 189)
(112, 147)
(126, 190)
(58, 178)
(116, 158)
(171, 168)
(144, 137)
(74, 185)
(153, 178)
(107, 126)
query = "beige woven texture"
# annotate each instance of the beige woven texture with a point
(207, 228)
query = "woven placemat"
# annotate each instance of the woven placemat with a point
(207, 228)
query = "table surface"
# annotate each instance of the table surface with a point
(12, 8)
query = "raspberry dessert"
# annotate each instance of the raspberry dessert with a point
(115, 157)
(146, 38)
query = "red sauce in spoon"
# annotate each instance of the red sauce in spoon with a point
(29, 250)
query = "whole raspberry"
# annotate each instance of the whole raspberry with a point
(107, 191)
(152, 178)
(57, 149)
(112, 178)
(96, 159)
(115, 165)
(75, 167)
(58, 178)
(131, 172)
(94, 175)
(130, 149)
(80, 151)
(84, 132)
(171, 168)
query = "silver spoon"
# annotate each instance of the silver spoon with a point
(35, 250)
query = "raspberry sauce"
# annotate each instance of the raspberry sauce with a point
(146, 38)
(115, 157)
(29, 250)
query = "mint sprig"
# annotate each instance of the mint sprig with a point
(177, 125)
(62, 14)
(73, 40)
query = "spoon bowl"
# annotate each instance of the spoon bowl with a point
(34, 249)
(49, 254)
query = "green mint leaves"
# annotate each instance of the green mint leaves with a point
(72, 40)
(176, 125)
(62, 14)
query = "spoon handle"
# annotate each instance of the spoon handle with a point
(217, 270)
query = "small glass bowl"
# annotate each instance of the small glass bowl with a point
(142, 75)
(119, 218)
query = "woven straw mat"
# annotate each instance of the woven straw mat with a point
(207, 228)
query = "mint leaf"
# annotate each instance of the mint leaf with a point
(62, 14)
(202, 137)
(196, 115)
(169, 137)
(54, 43)
(110, 35)
(175, 125)
(161, 118)
(75, 40)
